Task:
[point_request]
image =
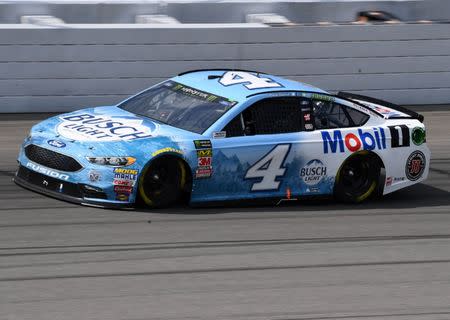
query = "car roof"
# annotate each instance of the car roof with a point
(198, 79)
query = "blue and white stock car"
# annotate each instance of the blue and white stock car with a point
(211, 136)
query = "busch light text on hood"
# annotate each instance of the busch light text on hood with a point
(334, 142)
(102, 128)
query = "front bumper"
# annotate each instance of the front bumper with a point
(63, 190)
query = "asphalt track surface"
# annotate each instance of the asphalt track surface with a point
(387, 259)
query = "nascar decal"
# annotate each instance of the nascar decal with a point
(369, 140)
(89, 127)
(249, 80)
(415, 165)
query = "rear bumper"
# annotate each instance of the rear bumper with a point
(59, 189)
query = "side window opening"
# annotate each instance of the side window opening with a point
(268, 116)
(330, 115)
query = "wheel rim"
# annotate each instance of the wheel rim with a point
(357, 178)
(159, 181)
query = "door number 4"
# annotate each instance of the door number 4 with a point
(269, 168)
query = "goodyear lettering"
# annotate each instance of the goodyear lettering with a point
(352, 142)
(164, 150)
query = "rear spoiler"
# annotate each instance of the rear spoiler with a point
(410, 113)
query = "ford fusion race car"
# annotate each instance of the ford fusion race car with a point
(216, 135)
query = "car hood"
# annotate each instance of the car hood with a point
(108, 131)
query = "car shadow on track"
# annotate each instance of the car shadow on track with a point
(417, 196)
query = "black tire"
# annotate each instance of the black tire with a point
(161, 183)
(357, 178)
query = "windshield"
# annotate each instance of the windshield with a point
(180, 106)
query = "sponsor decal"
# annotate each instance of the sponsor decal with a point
(202, 144)
(56, 143)
(204, 161)
(203, 172)
(94, 176)
(398, 179)
(123, 189)
(334, 141)
(399, 136)
(388, 181)
(120, 182)
(166, 150)
(418, 136)
(204, 153)
(313, 172)
(125, 174)
(46, 171)
(89, 127)
(415, 165)
(219, 134)
(122, 197)
(317, 96)
(308, 119)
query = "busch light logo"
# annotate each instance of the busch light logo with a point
(313, 172)
(89, 127)
(370, 140)
(56, 143)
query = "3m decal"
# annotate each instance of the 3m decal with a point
(352, 142)
(249, 80)
(202, 144)
(313, 172)
(399, 136)
(204, 161)
(415, 165)
(89, 127)
(269, 168)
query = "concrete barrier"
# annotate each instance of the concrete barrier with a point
(52, 69)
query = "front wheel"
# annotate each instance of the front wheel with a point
(162, 182)
(357, 179)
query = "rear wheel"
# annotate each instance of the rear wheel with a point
(358, 178)
(162, 182)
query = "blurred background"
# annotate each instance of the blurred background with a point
(63, 55)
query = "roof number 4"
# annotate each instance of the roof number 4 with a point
(250, 81)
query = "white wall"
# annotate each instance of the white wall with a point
(60, 69)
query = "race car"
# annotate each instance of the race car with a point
(212, 136)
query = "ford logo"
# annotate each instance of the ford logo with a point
(56, 143)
